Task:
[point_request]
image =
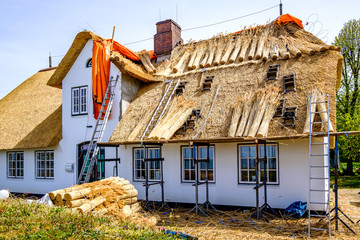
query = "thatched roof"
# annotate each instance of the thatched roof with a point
(240, 64)
(31, 114)
(77, 46)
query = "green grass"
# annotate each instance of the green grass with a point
(347, 181)
(20, 220)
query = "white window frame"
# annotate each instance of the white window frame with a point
(15, 165)
(251, 169)
(44, 164)
(202, 165)
(154, 169)
(79, 101)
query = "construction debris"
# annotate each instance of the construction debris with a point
(114, 195)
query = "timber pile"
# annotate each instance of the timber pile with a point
(112, 195)
(252, 114)
(178, 113)
(320, 106)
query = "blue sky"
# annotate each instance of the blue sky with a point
(30, 29)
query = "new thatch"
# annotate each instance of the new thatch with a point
(241, 70)
(31, 114)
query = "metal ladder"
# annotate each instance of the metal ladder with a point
(316, 162)
(93, 149)
(159, 111)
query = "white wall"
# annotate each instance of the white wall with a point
(293, 177)
(74, 131)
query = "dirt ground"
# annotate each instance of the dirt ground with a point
(239, 225)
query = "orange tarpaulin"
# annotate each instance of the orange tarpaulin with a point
(101, 68)
(287, 18)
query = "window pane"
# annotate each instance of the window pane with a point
(262, 176)
(244, 163)
(252, 176)
(272, 163)
(192, 175)
(252, 152)
(202, 153)
(186, 152)
(186, 175)
(252, 163)
(271, 151)
(211, 175)
(211, 164)
(272, 176)
(244, 176)
(187, 164)
(244, 151)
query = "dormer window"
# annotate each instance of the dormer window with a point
(89, 63)
(79, 101)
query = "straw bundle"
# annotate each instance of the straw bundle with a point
(180, 65)
(108, 193)
(203, 62)
(200, 53)
(192, 59)
(248, 102)
(219, 51)
(229, 49)
(254, 113)
(236, 50)
(244, 48)
(145, 59)
(211, 53)
(252, 48)
(273, 99)
(236, 116)
(320, 106)
(178, 113)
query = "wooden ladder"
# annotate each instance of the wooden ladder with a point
(93, 149)
(159, 111)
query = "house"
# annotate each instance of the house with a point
(218, 101)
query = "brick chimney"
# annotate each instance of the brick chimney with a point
(168, 34)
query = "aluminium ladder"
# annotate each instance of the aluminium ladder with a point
(93, 149)
(317, 162)
(159, 111)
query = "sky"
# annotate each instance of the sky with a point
(30, 29)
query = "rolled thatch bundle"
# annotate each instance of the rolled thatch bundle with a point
(90, 205)
(229, 49)
(112, 193)
(178, 113)
(76, 194)
(145, 59)
(244, 47)
(252, 48)
(318, 98)
(182, 62)
(248, 102)
(235, 53)
(262, 99)
(273, 99)
(220, 46)
(235, 118)
(192, 59)
(203, 62)
(201, 48)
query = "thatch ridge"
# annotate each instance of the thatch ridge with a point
(32, 104)
(71, 56)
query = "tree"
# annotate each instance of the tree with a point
(348, 95)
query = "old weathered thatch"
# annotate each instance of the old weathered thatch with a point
(242, 72)
(31, 114)
(124, 65)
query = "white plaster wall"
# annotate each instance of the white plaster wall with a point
(74, 131)
(293, 177)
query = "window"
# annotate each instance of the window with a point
(154, 167)
(89, 63)
(44, 166)
(15, 164)
(247, 160)
(188, 165)
(79, 100)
